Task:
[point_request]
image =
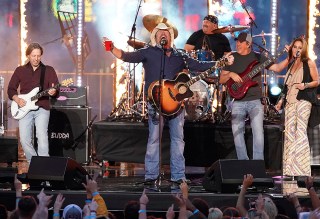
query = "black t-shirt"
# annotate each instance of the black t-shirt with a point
(240, 64)
(217, 43)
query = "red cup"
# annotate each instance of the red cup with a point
(108, 45)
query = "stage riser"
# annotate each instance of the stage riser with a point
(204, 143)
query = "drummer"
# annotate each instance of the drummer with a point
(205, 40)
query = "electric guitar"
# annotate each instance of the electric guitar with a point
(31, 98)
(173, 92)
(239, 90)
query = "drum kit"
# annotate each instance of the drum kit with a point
(209, 102)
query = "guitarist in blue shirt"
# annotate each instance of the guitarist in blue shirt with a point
(243, 79)
(28, 77)
(162, 52)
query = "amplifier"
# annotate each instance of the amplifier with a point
(70, 96)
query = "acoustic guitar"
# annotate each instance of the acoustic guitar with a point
(174, 92)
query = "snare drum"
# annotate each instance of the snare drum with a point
(198, 105)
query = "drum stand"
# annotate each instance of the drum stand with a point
(126, 108)
(270, 111)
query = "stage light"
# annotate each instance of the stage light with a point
(80, 43)
(274, 26)
(275, 90)
(24, 31)
(312, 25)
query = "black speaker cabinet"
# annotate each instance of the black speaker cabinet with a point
(226, 176)
(8, 149)
(56, 173)
(68, 133)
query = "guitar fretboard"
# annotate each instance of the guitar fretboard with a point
(256, 70)
(38, 95)
(220, 63)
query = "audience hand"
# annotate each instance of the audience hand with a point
(58, 203)
(170, 213)
(144, 200)
(17, 186)
(247, 181)
(184, 190)
(309, 182)
(91, 186)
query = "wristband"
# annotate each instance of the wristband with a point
(56, 215)
(195, 211)
(142, 211)
(95, 193)
(88, 201)
(89, 216)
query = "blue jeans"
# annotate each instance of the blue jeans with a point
(177, 160)
(254, 109)
(39, 118)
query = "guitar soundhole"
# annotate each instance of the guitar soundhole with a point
(182, 89)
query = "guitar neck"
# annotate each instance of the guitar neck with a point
(42, 93)
(255, 71)
(200, 76)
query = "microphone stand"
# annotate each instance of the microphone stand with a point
(133, 35)
(160, 178)
(283, 95)
(2, 105)
(251, 23)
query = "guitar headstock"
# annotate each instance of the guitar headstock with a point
(67, 82)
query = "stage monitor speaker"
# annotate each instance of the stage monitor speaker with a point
(68, 134)
(226, 176)
(56, 173)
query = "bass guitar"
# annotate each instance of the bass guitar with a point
(173, 92)
(31, 98)
(239, 90)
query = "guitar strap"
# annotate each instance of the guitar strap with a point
(43, 71)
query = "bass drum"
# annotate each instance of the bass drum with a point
(198, 105)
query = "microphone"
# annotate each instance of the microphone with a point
(297, 54)
(163, 41)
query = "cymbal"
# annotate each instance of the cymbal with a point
(230, 29)
(265, 34)
(150, 21)
(136, 44)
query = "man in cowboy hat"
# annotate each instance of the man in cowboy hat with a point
(162, 60)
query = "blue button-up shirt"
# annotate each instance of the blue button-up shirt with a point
(153, 60)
